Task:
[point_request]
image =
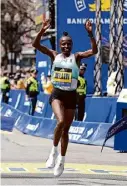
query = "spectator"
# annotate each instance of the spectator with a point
(5, 87)
(111, 84)
(32, 90)
(47, 85)
(27, 76)
(20, 82)
(81, 94)
(12, 81)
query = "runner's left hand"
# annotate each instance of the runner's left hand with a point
(88, 26)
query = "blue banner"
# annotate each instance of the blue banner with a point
(32, 125)
(23, 122)
(71, 15)
(7, 123)
(89, 133)
(41, 105)
(24, 104)
(115, 129)
(80, 132)
(46, 129)
(43, 108)
(105, 109)
(14, 97)
(9, 111)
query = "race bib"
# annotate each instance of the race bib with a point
(62, 77)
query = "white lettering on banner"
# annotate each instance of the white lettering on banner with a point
(74, 137)
(80, 5)
(89, 132)
(84, 140)
(27, 103)
(38, 110)
(10, 100)
(32, 127)
(125, 21)
(39, 107)
(17, 120)
(93, 20)
(52, 116)
(40, 104)
(114, 120)
(42, 64)
(85, 114)
(18, 100)
(77, 130)
(8, 113)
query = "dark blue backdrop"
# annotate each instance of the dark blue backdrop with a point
(70, 17)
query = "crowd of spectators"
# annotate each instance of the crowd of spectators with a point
(26, 80)
(19, 79)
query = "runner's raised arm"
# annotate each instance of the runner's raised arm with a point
(42, 48)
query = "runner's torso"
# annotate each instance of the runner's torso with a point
(65, 72)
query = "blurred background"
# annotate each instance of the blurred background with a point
(106, 72)
(21, 20)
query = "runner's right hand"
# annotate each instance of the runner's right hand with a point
(46, 24)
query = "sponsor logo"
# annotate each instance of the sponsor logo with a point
(42, 64)
(74, 137)
(105, 6)
(76, 130)
(27, 103)
(32, 127)
(89, 132)
(8, 113)
(10, 100)
(80, 5)
(75, 21)
(39, 107)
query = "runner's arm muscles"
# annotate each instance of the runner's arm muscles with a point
(93, 50)
(42, 48)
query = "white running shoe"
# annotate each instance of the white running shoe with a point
(50, 163)
(59, 168)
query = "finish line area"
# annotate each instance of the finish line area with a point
(23, 162)
(31, 168)
(74, 174)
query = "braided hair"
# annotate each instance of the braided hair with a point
(65, 34)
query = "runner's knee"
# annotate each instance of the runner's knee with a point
(60, 124)
(66, 129)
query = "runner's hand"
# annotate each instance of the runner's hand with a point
(46, 24)
(88, 26)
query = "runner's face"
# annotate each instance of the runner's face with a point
(66, 45)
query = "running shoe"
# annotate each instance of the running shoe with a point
(50, 163)
(59, 168)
